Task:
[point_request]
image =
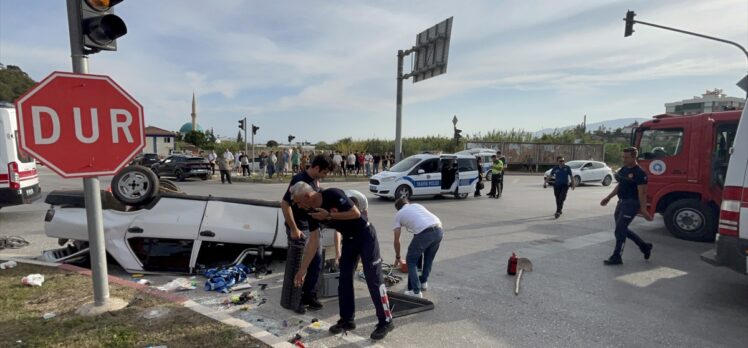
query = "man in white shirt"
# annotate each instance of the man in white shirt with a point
(428, 233)
(338, 160)
(367, 163)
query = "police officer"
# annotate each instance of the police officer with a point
(333, 208)
(563, 176)
(632, 199)
(497, 175)
(297, 222)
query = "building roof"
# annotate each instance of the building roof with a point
(187, 127)
(150, 130)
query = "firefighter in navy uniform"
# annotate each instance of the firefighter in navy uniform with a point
(334, 209)
(632, 199)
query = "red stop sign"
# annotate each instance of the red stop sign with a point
(80, 125)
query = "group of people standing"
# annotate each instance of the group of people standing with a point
(358, 163)
(498, 165)
(271, 163)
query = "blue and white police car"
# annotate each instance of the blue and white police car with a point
(428, 175)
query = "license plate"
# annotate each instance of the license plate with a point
(30, 192)
(199, 170)
(372, 188)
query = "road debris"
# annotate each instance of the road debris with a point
(222, 280)
(33, 280)
(178, 284)
(8, 265)
(49, 315)
(12, 242)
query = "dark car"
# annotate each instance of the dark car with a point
(145, 159)
(182, 167)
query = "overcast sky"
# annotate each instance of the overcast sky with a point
(324, 70)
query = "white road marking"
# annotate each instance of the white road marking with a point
(646, 278)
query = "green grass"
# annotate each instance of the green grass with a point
(22, 308)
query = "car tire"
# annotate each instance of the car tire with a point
(460, 195)
(135, 185)
(690, 219)
(577, 180)
(607, 180)
(179, 175)
(204, 177)
(403, 191)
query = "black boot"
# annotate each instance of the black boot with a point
(382, 330)
(342, 325)
(613, 261)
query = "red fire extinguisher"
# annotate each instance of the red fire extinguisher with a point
(511, 267)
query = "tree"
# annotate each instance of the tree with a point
(272, 144)
(195, 138)
(13, 83)
(239, 138)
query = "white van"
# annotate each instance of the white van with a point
(428, 175)
(485, 158)
(19, 181)
(732, 240)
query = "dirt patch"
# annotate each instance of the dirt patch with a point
(146, 321)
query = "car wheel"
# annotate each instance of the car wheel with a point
(403, 191)
(577, 180)
(460, 195)
(608, 179)
(135, 185)
(179, 175)
(204, 177)
(689, 219)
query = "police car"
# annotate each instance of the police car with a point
(428, 175)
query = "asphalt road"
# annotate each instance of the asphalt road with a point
(569, 300)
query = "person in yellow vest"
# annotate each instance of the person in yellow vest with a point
(497, 173)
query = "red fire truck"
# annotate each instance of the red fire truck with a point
(686, 158)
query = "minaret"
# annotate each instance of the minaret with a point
(194, 113)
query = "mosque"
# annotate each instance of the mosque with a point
(190, 126)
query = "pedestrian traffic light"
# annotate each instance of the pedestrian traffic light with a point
(100, 27)
(457, 135)
(291, 138)
(241, 124)
(255, 129)
(629, 23)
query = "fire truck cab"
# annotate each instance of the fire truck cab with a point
(686, 159)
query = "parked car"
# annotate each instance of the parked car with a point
(426, 174)
(485, 157)
(169, 232)
(19, 180)
(182, 167)
(586, 172)
(145, 159)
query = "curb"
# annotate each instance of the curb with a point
(246, 327)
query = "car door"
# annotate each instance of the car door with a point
(425, 177)
(232, 225)
(163, 238)
(467, 174)
(599, 171)
(586, 172)
(163, 167)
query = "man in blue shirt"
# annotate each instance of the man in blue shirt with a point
(632, 199)
(563, 176)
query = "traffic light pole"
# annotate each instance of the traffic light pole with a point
(245, 139)
(698, 35)
(91, 186)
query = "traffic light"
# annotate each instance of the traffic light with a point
(255, 129)
(457, 135)
(291, 138)
(241, 124)
(100, 26)
(629, 23)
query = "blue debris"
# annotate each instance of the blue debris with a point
(222, 279)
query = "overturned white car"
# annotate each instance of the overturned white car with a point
(171, 232)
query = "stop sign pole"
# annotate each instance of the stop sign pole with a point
(91, 185)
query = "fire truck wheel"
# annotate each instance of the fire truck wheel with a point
(689, 219)
(135, 185)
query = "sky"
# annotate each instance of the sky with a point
(325, 70)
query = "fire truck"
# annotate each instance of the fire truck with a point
(686, 159)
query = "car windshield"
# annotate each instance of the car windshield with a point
(575, 164)
(405, 164)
